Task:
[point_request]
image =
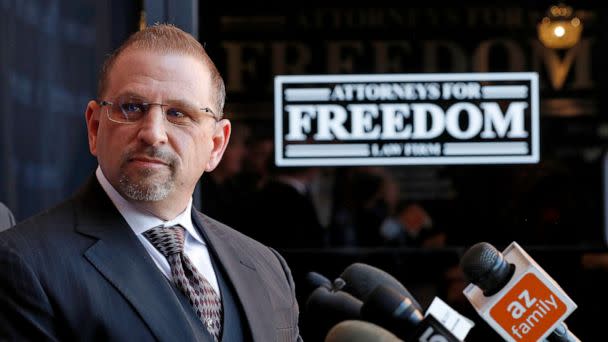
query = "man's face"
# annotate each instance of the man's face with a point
(153, 159)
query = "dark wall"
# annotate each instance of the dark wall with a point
(50, 56)
(556, 202)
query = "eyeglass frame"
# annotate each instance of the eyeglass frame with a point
(103, 103)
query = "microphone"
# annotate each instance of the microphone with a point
(359, 331)
(315, 280)
(362, 279)
(326, 308)
(517, 298)
(397, 313)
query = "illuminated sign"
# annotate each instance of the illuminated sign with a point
(406, 119)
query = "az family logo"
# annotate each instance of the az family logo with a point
(528, 310)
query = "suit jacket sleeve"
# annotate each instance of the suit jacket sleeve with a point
(25, 311)
(291, 283)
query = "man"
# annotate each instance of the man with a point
(127, 258)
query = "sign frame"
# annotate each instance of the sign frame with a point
(531, 158)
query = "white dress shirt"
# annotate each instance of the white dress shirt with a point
(140, 221)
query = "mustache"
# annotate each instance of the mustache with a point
(163, 155)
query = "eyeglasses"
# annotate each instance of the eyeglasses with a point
(130, 110)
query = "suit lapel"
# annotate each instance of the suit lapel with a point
(243, 276)
(119, 256)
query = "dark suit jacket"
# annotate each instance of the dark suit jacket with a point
(78, 272)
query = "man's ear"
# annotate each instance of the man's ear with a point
(92, 118)
(220, 139)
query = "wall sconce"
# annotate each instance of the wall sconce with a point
(560, 29)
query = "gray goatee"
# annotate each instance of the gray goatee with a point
(143, 189)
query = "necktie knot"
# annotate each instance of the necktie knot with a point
(167, 240)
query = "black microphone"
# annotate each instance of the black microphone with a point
(326, 308)
(488, 269)
(359, 331)
(314, 280)
(362, 279)
(397, 313)
(484, 266)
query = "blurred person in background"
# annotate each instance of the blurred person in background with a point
(258, 159)
(284, 212)
(411, 226)
(222, 194)
(364, 198)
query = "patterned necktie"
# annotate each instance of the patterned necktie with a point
(207, 304)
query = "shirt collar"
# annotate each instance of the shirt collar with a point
(140, 220)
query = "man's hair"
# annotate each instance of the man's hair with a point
(166, 38)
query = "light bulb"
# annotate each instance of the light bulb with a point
(559, 31)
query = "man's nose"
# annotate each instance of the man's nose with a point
(152, 127)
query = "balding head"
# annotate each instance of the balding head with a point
(165, 38)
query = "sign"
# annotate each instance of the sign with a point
(529, 307)
(451, 319)
(528, 310)
(407, 119)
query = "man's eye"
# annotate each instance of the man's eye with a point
(176, 113)
(132, 107)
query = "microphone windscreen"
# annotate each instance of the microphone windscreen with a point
(479, 260)
(325, 308)
(484, 266)
(390, 310)
(359, 331)
(362, 279)
(315, 280)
